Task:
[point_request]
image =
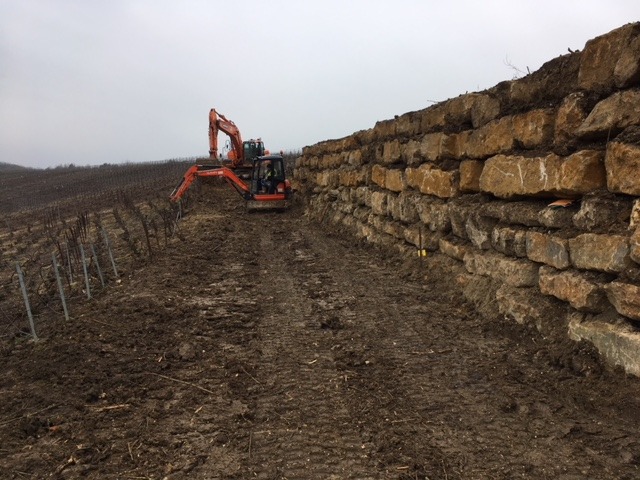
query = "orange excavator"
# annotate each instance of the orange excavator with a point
(266, 183)
(242, 153)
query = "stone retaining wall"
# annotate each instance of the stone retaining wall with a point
(473, 178)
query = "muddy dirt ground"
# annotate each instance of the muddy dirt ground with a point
(263, 346)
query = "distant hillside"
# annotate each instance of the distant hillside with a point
(10, 167)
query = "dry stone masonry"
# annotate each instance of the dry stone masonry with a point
(475, 177)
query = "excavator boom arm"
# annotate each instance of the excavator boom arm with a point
(220, 123)
(208, 171)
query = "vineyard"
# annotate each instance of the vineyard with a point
(69, 232)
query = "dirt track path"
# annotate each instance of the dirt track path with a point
(265, 347)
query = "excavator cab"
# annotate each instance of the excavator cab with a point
(268, 176)
(253, 149)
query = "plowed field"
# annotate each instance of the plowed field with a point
(263, 346)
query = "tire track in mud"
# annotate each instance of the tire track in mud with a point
(301, 426)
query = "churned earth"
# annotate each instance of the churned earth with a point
(261, 345)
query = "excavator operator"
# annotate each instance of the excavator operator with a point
(268, 180)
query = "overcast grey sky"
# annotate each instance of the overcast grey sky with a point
(107, 81)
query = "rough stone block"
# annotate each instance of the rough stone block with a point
(432, 118)
(434, 146)
(355, 158)
(625, 297)
(514, 272)
(634, 245)
(408, 124)
(485, 108)
(600, 57)
(601, 211)
(577, 174)
(391, 152)
(627, 70)
(434, 213)
(411, 154)
(526, 306)
(404, 207)
(571, 114)
(352, 177)
(622, 163)
(612, 115)
(548, 249)
(580, 291)
(395, 180)
(556, 217)
(384, 129)
(634, 221)
(432, 181)
(519, 213)
(510, 241)
(618, 342)
(379, 203)
(452, 249)
(470, 171)
(606, 253)
(493, 138)
(534, 129)
(379, 175)
(479, 230)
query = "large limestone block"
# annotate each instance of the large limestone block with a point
(612, 115)
(551, 175)
(634, 245)
(618, 342)
(408, 124)
(534, 129)
(379, 203)
(548, 249)
(606, 253)
(395, 180)
(391, 152)
(580, 291)
(601, 211)
(472, 109)
(470, 171)
(625, 297)
(571, 114)
(512, 271)
(411, 153)
(556, 217)
(479, 230)
(435, 146)
(485, 108)
(600, 58)
(527, 306)
(432, 181)
(352, 177)
(510, 241)
(622, 163)
(434, 213)
(355, 158)
(627, 70)
(493, 138)
(519, 213)
(379, 175)
(432, 118)
(453, 249)
(384, 129)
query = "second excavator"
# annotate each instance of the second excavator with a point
(242, 153)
